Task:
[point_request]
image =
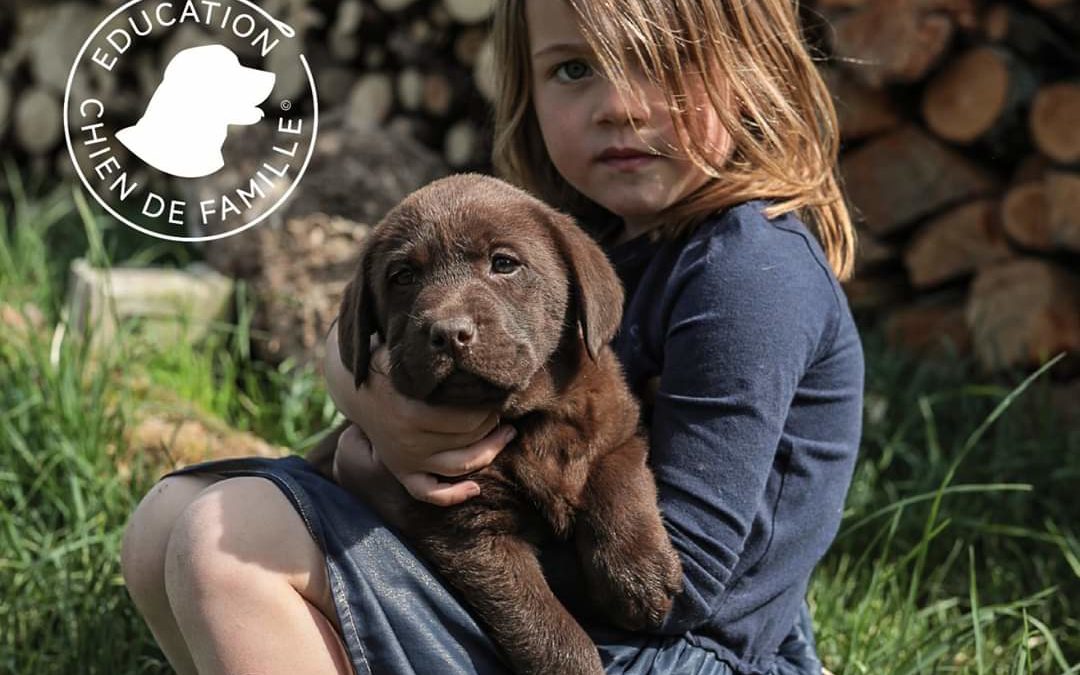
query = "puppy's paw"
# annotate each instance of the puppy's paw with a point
(642, 593)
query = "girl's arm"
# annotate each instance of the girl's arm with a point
(756, 418)
(419, 444)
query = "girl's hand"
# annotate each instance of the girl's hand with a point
(357, 469)
(419, 444)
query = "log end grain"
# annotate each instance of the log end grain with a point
(966, 98)
(1055, 121)
(1063, 199)
(891, 42)
(905, 175)
(1025, 215)
(1023, 312)
(956, 244)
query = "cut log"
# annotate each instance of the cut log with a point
(410, 89)
(1063, 200)
(1055, 121)
(1025, 216)
(53, 48)
(905, 175)
(38, 121)
(370, 101)
(469, 11)
(342, 39)
(935, 325)
(956, 244)
(1044, 215)
(484, 72)
(862, 111)
(462, 145)
(291, 80)
(981, 96)
(891, 41)
(1023, 312)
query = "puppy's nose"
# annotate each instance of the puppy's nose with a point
(454, 334)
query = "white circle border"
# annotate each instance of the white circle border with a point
(169, 237)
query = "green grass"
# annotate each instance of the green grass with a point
(63, 607)
(958, 552)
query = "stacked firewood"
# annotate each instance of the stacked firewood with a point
(961, 158)
(960, 119)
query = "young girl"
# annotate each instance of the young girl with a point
(690, 136)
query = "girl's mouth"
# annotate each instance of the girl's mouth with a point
(625, 159)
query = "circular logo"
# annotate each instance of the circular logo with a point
(191, 120)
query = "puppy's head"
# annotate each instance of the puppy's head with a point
(473, 284)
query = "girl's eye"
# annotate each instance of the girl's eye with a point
(572, 71)
(504, 264)
(403, 277)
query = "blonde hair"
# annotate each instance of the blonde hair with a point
(746, 60)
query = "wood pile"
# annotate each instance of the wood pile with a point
(960, 120)
(961, 158)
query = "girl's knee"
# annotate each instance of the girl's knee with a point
(142, 554)
(235, 532)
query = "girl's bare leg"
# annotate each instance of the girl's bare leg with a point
(245, 586)
(143, 561)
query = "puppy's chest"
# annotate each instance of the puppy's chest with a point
(542, 471)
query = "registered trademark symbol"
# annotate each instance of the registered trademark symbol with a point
(285, 105)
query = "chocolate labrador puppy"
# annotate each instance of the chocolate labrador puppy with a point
(485, 296)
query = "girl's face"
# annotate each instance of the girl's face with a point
(587, 127)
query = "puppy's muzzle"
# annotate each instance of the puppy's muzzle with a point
(453, 336)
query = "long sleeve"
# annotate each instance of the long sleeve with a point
(743, 334)
(738, 342)
(735, 328)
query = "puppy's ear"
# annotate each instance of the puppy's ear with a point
(595, 289)
(356, 323)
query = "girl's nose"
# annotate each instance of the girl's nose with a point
(615, 107)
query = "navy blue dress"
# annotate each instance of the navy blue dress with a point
(744, 338)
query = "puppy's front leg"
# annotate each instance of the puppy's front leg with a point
(632, 570)
(502, 580)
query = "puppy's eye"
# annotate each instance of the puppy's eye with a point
(403, 277)
(503, 264)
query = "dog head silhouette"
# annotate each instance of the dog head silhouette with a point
(204, 89)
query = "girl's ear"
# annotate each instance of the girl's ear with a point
(357, 322)
(595, 290)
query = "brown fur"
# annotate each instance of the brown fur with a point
(535, 345)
